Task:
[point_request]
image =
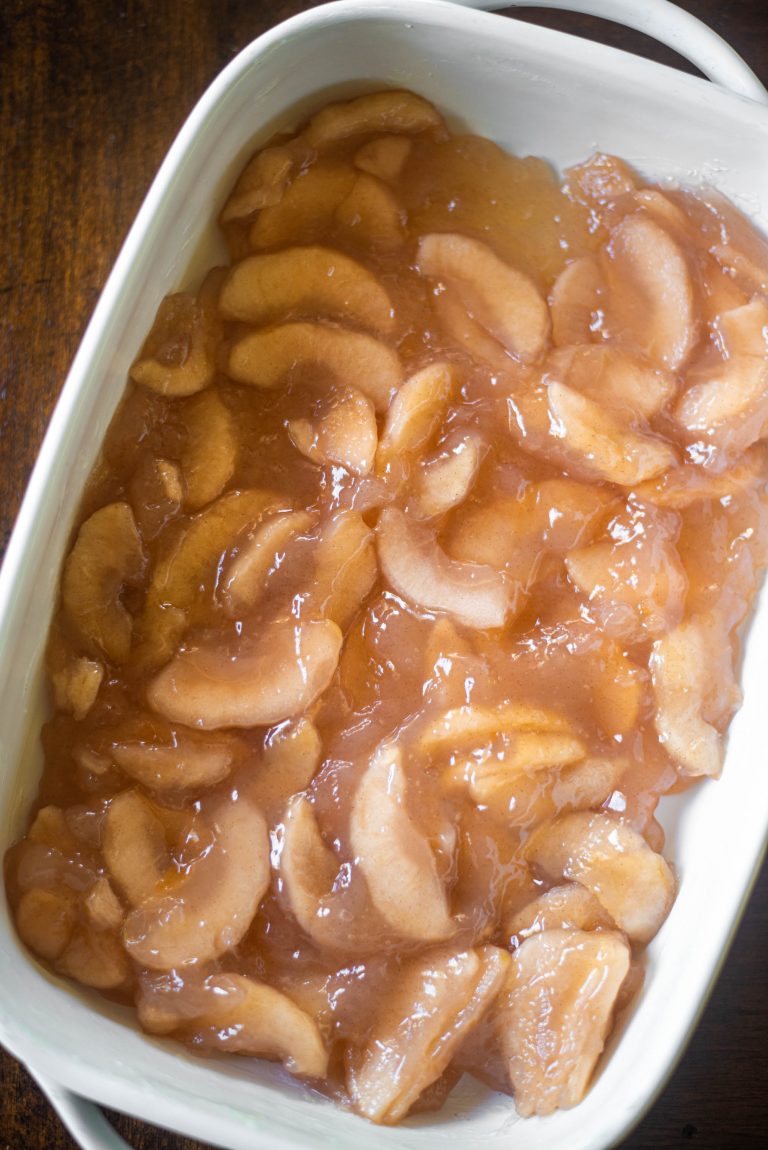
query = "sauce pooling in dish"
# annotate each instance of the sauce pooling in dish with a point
(408, 580)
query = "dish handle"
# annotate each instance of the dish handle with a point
(83, 1119)
(673, 26)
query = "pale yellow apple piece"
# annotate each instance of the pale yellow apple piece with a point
(419, 570)
(555, 1014)
(106, 556)
(345, 433)
(272, 677)
(204, 909)
(502, 299)
(351, 358)
(398, 112)
(394, 856)
(312, 280)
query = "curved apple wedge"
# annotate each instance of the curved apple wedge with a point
(505, 301)
(401, 113)
(274, 677)
(236, 1014)
(204, 909)
(351, 358)
(395, 856)
(311, 279)
(420, 571)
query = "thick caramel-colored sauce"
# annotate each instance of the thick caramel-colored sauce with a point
(480, 675)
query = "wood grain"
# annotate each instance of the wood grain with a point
(91, 96)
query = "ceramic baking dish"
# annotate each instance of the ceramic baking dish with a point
(534, 91)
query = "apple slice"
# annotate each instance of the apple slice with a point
(402, 113)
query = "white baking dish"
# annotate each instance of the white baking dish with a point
(535, 91)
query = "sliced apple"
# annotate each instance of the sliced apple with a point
(134, 846)
(261, 184)
(209, 452)
(394, 856)
(681, 673)
(604, 446)
(237, 1015)
(614, 377)
(650, 291)
(371, 216)
(76, 685)
(610, 858)
(416, 413)
(420, 571)
(245, 577)
(402, 113)
(165, 758)
(353, 359)
(439, 999)
(107, 556)
(344, 433)
(556, 1013)
(502, 299)
(273, 677)
(205, 908)
(178, 354)
(576, 302)
(445, 480)
(312, 280)
(345, 568)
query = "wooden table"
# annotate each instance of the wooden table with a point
(93, 93)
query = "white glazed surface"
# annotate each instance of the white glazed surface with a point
(534, 91)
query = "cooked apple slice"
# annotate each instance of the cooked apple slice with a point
(76, 685)
(650, 292)
(245, 576)
(401, 113)
(156, 492)
(313, 279)
(446, 479)
(134, 846)
(178, 354)
(209, 451)
(681, 671)
(491, 778)
(345, 568)
(290, 759)
(394, 856)
(505, 301)
(309, 870)
(416, 413)
(306, 209)
(475, 725)
(727, 404)
(106, 557)
(273, 677)
(345, 433)
(556, 1013)
(204, 908)
(419, 571)
(576, 302)
(102, 906)
(353, 359)
(261, 184)
(618, 692)
(165, 758)
(744, 330)
(45, 920)
(439, 999)
(567, 907)
(385, 157)
(238, 1015)
(604, 446)
(188, 561)
(371, 216)
(614, 377)
(610, 858)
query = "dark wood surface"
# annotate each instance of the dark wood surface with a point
(92, 94)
